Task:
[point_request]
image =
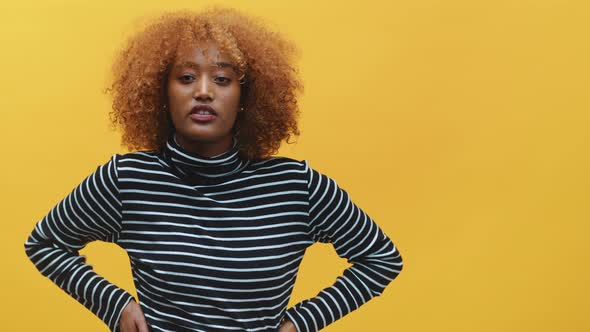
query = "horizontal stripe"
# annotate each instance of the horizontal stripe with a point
(214, 243)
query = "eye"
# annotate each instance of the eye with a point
(186, 78)
(222, 80)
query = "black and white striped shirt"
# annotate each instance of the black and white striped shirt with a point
(214, 243)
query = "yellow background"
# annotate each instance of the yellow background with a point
(461, 127)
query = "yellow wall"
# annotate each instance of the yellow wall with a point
(461, 127)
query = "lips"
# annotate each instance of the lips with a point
(203, 114)
(203, 109)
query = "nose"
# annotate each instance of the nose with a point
(204, 89)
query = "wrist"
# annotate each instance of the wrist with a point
(287, 326)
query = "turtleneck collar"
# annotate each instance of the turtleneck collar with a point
(192, 164)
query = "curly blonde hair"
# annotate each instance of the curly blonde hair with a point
(265, 58)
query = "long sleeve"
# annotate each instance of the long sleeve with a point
(334, 218)
(91, 211)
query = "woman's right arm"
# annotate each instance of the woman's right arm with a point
(91, 211)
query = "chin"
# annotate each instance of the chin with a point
(203, 136)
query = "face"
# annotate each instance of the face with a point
(203, 81)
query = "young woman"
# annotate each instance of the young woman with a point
(215, 227)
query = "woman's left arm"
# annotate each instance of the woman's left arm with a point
(334, 218)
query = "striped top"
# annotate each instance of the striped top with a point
(214, 243)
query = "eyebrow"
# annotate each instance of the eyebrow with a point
(191, 64)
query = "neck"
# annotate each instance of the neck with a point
(216, 161)
(205, 149)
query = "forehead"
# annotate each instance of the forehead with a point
(201, 55)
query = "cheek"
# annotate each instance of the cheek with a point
(232, 97)
(177, 100)
(178, 94)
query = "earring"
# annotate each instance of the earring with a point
(241, 108)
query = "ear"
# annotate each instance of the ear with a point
(243, 94)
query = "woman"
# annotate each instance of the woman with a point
(214, 226)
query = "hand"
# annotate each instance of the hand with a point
(287, 326)
(132, 319)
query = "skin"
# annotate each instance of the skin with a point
(195, 80)
(132, 319)
(187, 86)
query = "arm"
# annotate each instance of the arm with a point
(91, 211)
(334, 218)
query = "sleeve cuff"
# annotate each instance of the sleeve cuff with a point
(117, 311)
(296, 320)
(306, 317)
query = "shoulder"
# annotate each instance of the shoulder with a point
(278, 163)
(133, 164)
(136, 157)
(278, 168)
(281, 164)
